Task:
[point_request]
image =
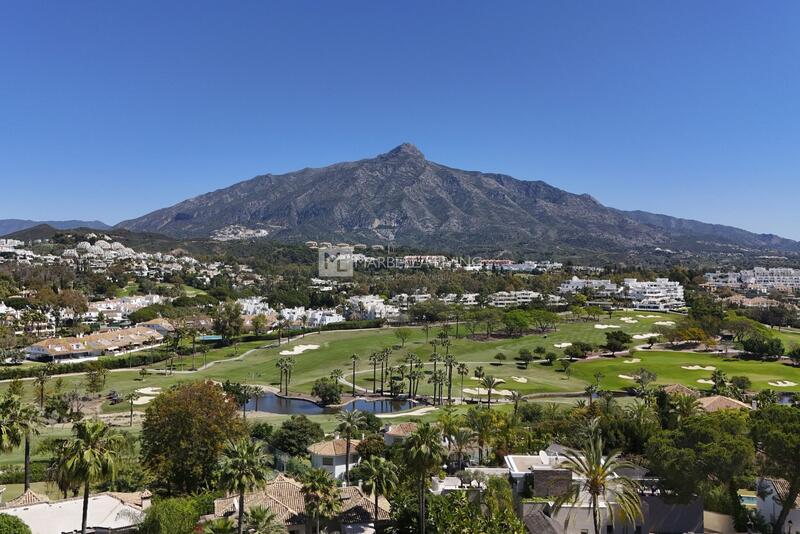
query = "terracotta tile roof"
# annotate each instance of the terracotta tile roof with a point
(135, 498)
(159, 321)
(781, 487)
(111, 339)
(284, 497)
(26, 499)
(680, 389)
(334, 447)
(718, 402)
(401, 430)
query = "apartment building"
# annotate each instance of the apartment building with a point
(659, 295)
(601, 288)
(758, 279)
(65, 349)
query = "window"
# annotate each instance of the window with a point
(584, 531)
(327, 461)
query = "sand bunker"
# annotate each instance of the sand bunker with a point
(298, 349)
(142, 400)
(520, 379)
(627, 377)
(782, 384)
(665, 323)
(644, 336)
(483, 391)
(632, 360)
(604, 326)
(698, 368)
(562, 345)
(149, 391)
(628, 320)
(649, 316)
(705, 381)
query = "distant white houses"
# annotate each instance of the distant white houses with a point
(511, 299)
(758, 279)
(601, 288)
(311, 317)
(117, 310)
(661, 294)
(373, 307)
(255, 306)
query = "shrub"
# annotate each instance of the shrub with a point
(327, 390)
(12, 525)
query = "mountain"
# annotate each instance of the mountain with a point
(402, 197)
(9, 226)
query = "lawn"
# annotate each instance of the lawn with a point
(668, 368)
(335, 348)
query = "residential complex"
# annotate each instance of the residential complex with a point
(67, 349)
(661, 294)
(759, 279)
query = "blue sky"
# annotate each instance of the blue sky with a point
(111, 109)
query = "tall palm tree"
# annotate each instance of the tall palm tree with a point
(290, 363)
(374, 359)
(262, 520)
(423, 454)
(40, 384)
(281, 365)
(595, 475)
(683, 406)
(461, 439)
(516, 398)
(380, 478)
(449, 362)
(243, 467)
(463, 370)
(130, 397)
(354, 359)
(320, 495)
(483, 423)
(91, 455)
(350, 422)
(18, 421)
(490, 383)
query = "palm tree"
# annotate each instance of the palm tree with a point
(595, 475)
(684, 406)
(435, 358)
(262, 520)
(320, 495)
(489, 382)
(374, 358)
(91, 455)
(18, 422)
(40, 384)
(380, 478)
(516, 398)
(461, 439)
(350, 421)
(463, 370)
(354, 358)
(282, 367)
(243, 467)
(483, 423)
(219, 526)
(422, 452)
(449, 362)
(130, 397)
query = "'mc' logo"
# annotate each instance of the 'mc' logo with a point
(336, 262)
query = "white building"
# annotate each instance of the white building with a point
(512, 299)
(660, 295)
(601, 288)
(254, 306)
(373, 307)
(759, 279)
(332, 455)
(770, 490)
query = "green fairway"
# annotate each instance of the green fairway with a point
(668, 368)
(250, 363)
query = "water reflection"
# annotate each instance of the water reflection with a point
(269, 402)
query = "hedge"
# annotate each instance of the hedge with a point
(109, 362)
(15, 474)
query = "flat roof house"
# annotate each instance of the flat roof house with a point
(109, 513)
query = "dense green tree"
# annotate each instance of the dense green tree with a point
(296, 434)
(423, 454)
(185, 429)
(379, 478)
(776, 434)
(178, 515)
(327, 390)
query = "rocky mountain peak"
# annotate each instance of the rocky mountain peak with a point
(405, 150)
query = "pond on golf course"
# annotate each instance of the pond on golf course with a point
(269, 402)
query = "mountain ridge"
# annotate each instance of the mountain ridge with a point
(10, 226)
(402, 197)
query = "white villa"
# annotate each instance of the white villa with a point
(660, 295)
(602, 288)
(331, 455)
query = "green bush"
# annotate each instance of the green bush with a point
(15, 474)
(172, 516)
(12, 525)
